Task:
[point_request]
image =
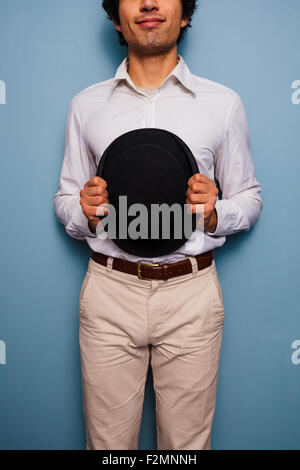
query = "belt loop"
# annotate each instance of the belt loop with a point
(109, 264)
(194, 264)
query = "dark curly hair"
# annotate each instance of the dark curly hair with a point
(112, 9)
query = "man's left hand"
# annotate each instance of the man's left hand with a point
(202, 190)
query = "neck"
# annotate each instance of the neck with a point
(150, 72)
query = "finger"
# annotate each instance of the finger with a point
(195, 208)
(198, 198)
(202, 188)
(91, 212)
(96, 180)
(204, 210)
(198, 177)
(198, 188)
(97, 190)
(87, 194)
(103, 209)
(95, 200)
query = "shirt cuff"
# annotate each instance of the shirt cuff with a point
(78, 226)
(226, 219)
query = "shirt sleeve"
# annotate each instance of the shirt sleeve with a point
(241, 202)
(77, 168)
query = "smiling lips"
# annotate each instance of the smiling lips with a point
(150, 22)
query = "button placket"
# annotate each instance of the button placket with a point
(150, 113)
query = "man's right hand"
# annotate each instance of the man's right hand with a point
(93, 196)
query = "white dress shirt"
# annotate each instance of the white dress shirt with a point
(209, 117)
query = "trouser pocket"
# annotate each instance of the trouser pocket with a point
(83, 291)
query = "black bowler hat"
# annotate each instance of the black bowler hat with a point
(149, 166)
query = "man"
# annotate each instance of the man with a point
(128, 318)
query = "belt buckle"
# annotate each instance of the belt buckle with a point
(139, 265)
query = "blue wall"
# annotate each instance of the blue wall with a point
(49, 51)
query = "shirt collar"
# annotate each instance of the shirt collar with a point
(181, 71)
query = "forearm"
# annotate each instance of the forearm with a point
(212, 223)
(70, 214)
(236, 214)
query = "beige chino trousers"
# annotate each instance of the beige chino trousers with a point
(176, 325)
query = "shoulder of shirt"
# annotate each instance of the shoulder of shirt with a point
(214, 88)
(97, 89)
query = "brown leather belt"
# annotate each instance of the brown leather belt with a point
(150, 271)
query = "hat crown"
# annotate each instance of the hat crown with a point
(149, 166)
